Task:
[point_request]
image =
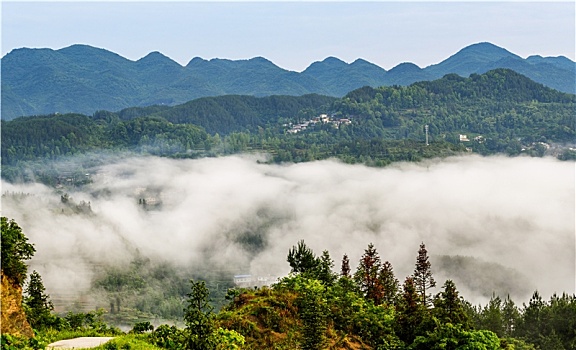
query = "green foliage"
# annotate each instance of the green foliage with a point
(234, 113)
(142, 327)
(37, 304)
(169, 337)
(449, 336)
(11, 342)
(500, 105)
(374, 324)
(500, 111)
(15, 250)
(549, 325)
(367, 275)
(390, 284)
(152, 288)
(199, 318)
(423, 279)
(449, 306)
(55, 136)
(228, 339)
(323, 270)
(345, 266)
(130, 342)
(91, 321)
(413, 315)
(491, 316)
(304, 311)
(312, 310)
(301, 258)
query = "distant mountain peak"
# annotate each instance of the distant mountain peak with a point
(485, 49)
(79, 47)
(259, 59)
(326, 64)
(85, 49)
(262, 61)
(362, 62)
(406, 67)
(483, 45)
(196, 61)
(157, 58)
(69, 77)
(333, 60)
(471, 59)
(154, 55)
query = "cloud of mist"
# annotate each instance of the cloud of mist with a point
(513, 213)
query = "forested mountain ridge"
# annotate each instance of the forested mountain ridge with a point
(84, 79)
(225, 114)
(499, 111)
(499, 106)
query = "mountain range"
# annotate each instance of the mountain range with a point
(85, 79)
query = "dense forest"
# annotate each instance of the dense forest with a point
(314, 307)
(496, 112)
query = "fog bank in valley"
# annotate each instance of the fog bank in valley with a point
(512, 218)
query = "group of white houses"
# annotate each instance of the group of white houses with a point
(249, 281)
(322, 118)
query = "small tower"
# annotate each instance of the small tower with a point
(426, 128)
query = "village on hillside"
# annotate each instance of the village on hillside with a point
(322, 118)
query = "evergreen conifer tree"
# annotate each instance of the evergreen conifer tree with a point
(389, 283)
(301, 258)
(367, 275)
(411, 312)
(449, 306)
(345, 270)
(423, 279)
(323, 271)
(37, 303)
(199, 318)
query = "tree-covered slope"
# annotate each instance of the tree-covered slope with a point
(500, 111)
(224, 114)
(501, 106)
(52, 136)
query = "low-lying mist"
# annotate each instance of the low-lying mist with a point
(510, 221)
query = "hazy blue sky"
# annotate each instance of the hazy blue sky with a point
(293, 34)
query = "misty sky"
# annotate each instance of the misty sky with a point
(293, 34)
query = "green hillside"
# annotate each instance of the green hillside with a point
(497, 112)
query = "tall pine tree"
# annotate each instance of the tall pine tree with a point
(301, 258)
(423, 279)
(389, 283)
(37, 302)
(199, 318)
(449, 306)
(345, 269)
(367, 275)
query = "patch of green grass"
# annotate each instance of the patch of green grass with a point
(129, 342)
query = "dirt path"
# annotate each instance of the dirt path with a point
(79, 343)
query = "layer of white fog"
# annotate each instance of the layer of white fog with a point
(512, 218)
